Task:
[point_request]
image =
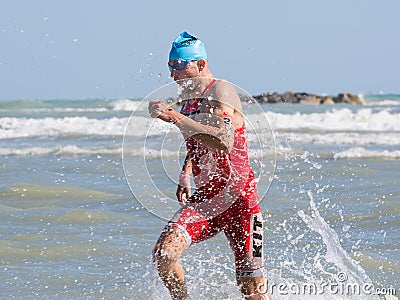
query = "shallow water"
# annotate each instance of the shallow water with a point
(72, 229)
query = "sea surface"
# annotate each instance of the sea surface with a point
(80, 204)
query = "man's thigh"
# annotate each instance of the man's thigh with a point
(194, 226)
(246, 236)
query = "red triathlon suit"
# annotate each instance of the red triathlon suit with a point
(225, 198)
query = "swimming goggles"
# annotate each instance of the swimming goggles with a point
(179, 65)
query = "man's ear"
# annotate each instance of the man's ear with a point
(201, 64)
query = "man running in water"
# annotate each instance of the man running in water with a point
(225, 199)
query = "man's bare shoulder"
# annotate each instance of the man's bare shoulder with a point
(223, 85)
(226, 92)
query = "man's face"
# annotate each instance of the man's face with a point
(183, 69)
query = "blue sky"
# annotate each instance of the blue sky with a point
(112, 49)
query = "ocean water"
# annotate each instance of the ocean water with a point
(71, 228)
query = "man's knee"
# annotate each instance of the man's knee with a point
(161, 256)
(169, 247)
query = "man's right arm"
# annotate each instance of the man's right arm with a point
(187, 165)
(183, 190)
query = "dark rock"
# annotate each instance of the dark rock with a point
(304, 98)
(328, 100)
(289, 97)
(310, 100)
(347, 98)
(246, 98)
(275, 98)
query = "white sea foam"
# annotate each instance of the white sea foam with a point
(68, 150)
(363, 120)
(73, 150)
(27, 127)
(344, 138)
(58, 110)
(358, 152)
(337, 120)
(128, 105)
(116, 105)
(386, 102)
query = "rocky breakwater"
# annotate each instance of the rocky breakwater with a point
(306, 98)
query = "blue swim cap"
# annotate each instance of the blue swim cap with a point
(188, 47)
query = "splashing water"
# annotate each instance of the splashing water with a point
(334, 251)
(301, 247)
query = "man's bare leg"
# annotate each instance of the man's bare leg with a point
(166, 253)
(253, 288)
